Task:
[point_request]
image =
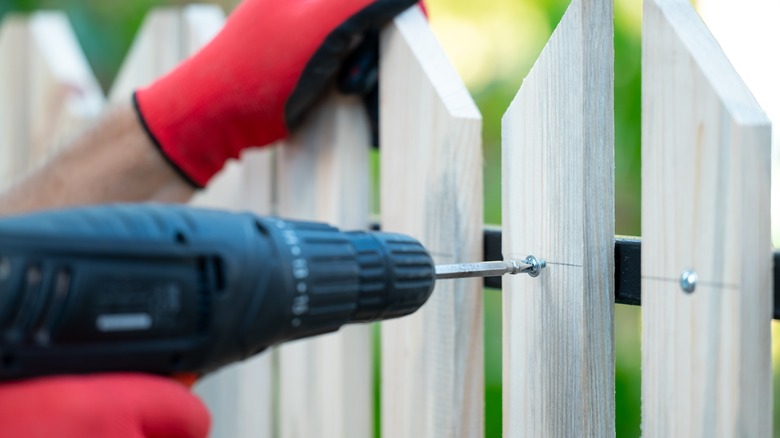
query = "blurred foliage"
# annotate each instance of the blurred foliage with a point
(493, 45)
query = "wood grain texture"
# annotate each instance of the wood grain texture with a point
(240, 396)
(558, 204)
(706, 366)
(431, 188)
(325, 384)
(48, 93)
(746, 31)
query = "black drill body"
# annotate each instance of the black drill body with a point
(169, 289)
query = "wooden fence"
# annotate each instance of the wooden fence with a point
(706, 367)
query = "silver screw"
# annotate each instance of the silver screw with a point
(688, 280)
(536, 265)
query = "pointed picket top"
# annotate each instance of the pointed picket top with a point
(558, 204)
(706, 171)
(48, 92)
(431, 189)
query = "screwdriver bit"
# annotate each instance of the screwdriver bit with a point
(531, 265)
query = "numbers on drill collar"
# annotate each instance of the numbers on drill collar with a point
(300, 272)
(300, 305)
(300, 269)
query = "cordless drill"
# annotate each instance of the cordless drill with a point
(171, 289)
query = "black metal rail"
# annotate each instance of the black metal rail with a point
(628, 263)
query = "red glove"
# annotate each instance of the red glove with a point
(256, 80)
(101, 406)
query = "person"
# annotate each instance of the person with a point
(249, 87)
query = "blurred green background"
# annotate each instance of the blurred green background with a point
(493, 45)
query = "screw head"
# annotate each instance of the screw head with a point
(688, 280)
(536, 265)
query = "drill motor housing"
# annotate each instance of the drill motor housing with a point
(172, 289)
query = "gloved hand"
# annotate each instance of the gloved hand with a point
(101, 406)
(256, 80)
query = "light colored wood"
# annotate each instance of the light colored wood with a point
(747, 31)
(431, 188)
(325, 384)
(706, 365)
(240, 396)
(48, 93)
(558, 204)
(258, 183)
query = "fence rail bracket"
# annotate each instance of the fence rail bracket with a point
(628, 266)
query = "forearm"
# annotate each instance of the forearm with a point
(112, 162)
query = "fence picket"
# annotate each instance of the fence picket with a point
(48, 93)
(431, 188)
(706, 365)
(240, 396)
(325, 383)
(558, 191)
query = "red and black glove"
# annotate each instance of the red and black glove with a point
(101, 406)
(256, 80)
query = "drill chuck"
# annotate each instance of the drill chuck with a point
(396, 275)
(337, 277)
(170, 289)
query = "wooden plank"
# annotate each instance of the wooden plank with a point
(431, 188)
(325, 384)
(558, 204)
(240, 396)
(706, 364)
(13, 99)
(48, 93)
(737, 26)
